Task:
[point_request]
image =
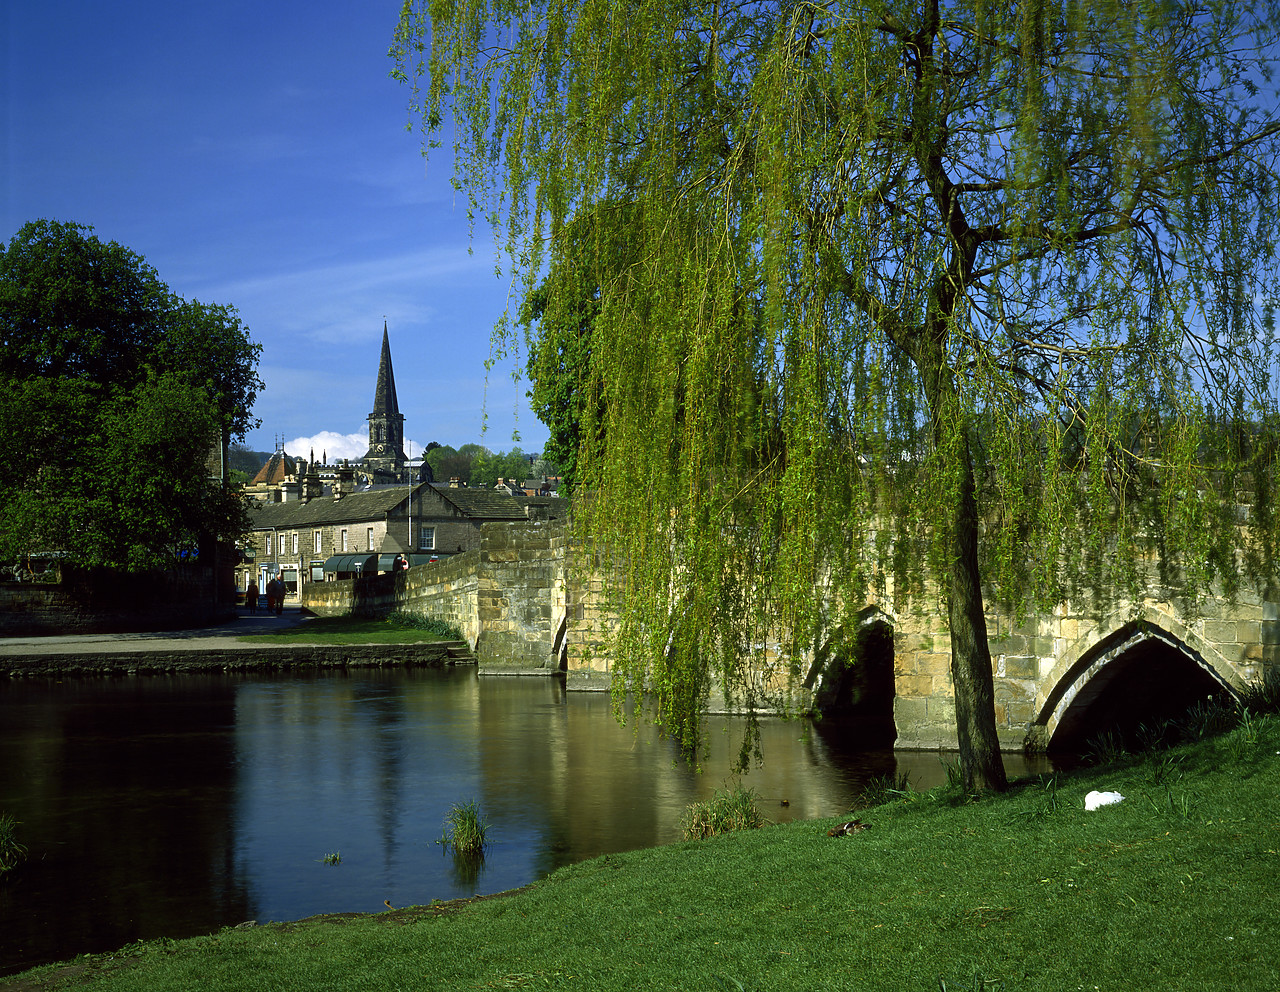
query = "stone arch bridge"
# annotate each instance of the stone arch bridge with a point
(1060, 678)
(1063, 678)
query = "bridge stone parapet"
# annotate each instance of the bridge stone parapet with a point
(507, 597)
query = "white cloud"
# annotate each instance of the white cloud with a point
(329, 444)
(335, 446)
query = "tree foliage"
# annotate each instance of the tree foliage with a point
(489, 466)
(910, 290)
(113, 392)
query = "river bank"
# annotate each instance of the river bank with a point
(1173, 888)
(248, 643)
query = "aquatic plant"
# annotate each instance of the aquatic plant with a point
(465, 830)
(729, 809)
(887, 788)
(12, 851)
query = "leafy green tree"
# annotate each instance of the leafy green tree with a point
(244, 462)
(74, 306)
(208, 343)
(490, 466)
(564, 308)
(113, 392)
(448, 463)
(921, 290)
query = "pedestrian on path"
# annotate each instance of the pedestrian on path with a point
(251, 596)
(275, 595)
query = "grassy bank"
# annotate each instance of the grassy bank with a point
(398, 628)
(1174, 888)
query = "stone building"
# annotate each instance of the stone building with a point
(323, 536)
(316, 524)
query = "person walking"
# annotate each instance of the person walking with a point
(276, 597)
(251, 596)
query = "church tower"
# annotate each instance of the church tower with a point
(386, 423)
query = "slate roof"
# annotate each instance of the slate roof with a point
(376, 504)
(352, 508)
(486, 504)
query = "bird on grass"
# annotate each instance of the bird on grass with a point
(851, 827)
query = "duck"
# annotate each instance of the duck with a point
(851, 827)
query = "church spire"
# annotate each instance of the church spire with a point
(384, 397)
(386, 423)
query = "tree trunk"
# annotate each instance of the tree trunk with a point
(980, 760)
(971, 677)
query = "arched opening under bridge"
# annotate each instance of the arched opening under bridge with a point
(852, 680)
(1127, 688)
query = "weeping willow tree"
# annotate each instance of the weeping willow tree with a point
(949, 297)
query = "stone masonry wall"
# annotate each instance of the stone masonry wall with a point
(508, 598)
(445, 590)
(521, 598)
(1039, 663)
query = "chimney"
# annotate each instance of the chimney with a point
(288, 492)
(312, 488)
(346, 482)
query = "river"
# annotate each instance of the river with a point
(159, 806)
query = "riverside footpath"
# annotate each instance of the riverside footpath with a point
(228, 646)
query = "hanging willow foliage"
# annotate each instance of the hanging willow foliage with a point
(865, 293)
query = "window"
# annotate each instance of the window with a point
(267, 539)
(295, 542)
(344, 540)
(369, 546)
(317, 542)
(426, 538)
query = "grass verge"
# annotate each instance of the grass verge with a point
(398, 628)
(1174, 888)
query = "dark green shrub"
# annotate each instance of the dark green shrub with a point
(420, 621)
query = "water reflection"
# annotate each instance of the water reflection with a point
(159, 806)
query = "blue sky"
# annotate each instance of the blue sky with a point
(256, 154)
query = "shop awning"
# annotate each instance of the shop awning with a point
(360, 564)
(387, 562)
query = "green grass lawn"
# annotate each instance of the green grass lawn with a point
(1176, 888)
(398, 628)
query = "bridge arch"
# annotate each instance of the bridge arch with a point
(852, 681)
(1145, 670)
